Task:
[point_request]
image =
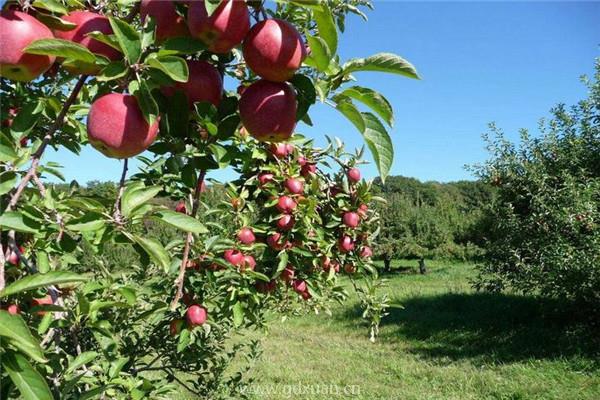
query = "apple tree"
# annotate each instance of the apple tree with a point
(187, 87)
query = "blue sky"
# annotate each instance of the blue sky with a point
(506, 62)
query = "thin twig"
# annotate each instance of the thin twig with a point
(117, 208)
(188, 241)
(35, 160)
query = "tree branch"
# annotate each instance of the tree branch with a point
(117, 208)
(188, 241)
(35, 160)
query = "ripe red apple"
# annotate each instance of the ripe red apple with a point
(224, 29)
(168, 23)
(299, 286)
(353, 175)
(366, 252)
(246, 236)
(288, 274)
(306, 295)
(268, 110)
(346, 244)
(266, 287)
(233, 257)
(349, 269)
(41, 301)
(351, 219)
(204, 84)
(286, 222)
(12, 113)
(195, 315)
(12, 257)
(13, 309)
(175, 327)
(274, 50)
(248, 263)
(17, 31)
(286, 204)
(295, 186)
(274, 241)
(117, 128)
(279, 150)
(180, 207)
(265, 178)
(308, 169)
(362, 210)
(87, 22)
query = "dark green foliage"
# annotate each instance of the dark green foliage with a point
(431, 219)
(545, 231)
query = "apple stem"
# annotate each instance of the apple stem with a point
(188, 241)
(117, 207)
(35, 159)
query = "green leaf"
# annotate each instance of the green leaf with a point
(380, 144)
(211, 6)
(147, 103)
(238, 314)
(14, 331)
(8, 180)
(382, 62)
(38, 280)
(90, 221)
(27, 118)
(155, 250)
(175, 67)
(55, 23)
(306, 94)
(137, 195)
(17, 221)
(326, 26)
(50, 5)
(181, 221)
(283, 261)
(31, 385)
(128, 38)
(82, 359)
(372, 99)
(114, 70)
(350, 111)
(320, 55)
(61, 48)
(181, 45)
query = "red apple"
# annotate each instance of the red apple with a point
(286, 204)
(168, 22)
(12, 113)
(274, 50)
(299, 286)
(349, 269)
(246, 236)
(175, 327)
(274, 241)
(248, 263)
(268, 110)
(366, 252)
(204, 84)
(13, 309)
(287, 275)
(302, 161)
(47, 300)
(306, 295)
(17, 31)
(233, 257)
(346, 244)
(12, 257)
(353, 175)
(236, 203)
(224, 29)
(308, 169)
(362, 210)
(351, 219)
(117, 128)
(265, 178)
(294, 186)
(180, 207)
(195, 315)
(279, 150)
(286, 222)
(87, 22)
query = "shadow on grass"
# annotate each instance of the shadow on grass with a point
(490, 327)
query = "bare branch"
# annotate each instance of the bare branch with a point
(117, 208)
(188, 242)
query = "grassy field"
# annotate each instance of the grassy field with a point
(445, 341)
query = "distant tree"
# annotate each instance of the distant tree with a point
(544, 230)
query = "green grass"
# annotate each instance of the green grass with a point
(447, 342)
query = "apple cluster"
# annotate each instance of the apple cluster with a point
(272, 49)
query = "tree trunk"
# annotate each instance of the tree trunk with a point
(387, 264)
(422, 267)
